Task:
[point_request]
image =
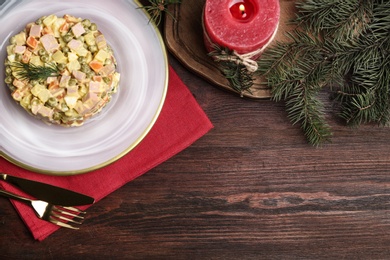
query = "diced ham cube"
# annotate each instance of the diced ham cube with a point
(101, 41)
(107, 70)
(35, 31)
(20, 49)
(75, 44)
(72, 91)
(94, 86)
(18, 83)
(46, 112)
(64, 80)
(80, 76)
(49, 42)
(78, 30)
(26, 56)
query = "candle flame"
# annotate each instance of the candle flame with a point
(242, 8)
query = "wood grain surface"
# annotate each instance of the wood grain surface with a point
(252, 188)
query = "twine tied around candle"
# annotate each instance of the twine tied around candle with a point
(245, 59)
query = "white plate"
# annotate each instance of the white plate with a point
(122, 124)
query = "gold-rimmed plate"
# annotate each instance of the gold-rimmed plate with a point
(122, 124)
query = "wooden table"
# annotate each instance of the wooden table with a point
(252, 188)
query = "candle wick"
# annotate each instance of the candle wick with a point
(242, 9)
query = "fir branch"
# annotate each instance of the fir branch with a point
(157, 8)
(31, 72)
(340, 45)
(240, 79)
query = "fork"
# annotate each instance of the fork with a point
(59, 215)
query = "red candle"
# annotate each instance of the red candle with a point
(244, 26)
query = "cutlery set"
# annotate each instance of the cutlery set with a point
(53, 204)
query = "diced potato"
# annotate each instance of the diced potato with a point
(36, 89)
(56, 26)
(11, 57)
(82, 52)
(72, 56)
(89, 38)
(36, 60)
(73, 65)
(20, 38)
(48, 21)
(59, 57)
(10, 49)
(101, 56)
(44, 95)
(71, 101)
(26, 101)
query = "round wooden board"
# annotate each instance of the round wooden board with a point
(183, 36)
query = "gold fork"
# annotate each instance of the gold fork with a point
(59, 215)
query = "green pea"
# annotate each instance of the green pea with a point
(42, 52)
(35, 102)
(108, 61)
(86, 22)
(40, 20)
(92, 48)
(65, 49)
(85, 68)
(45, 58)
(61, 66)
(64, 107)
(18, 57)
(67, 38)
(33, 82)
(52, 102)
(72, 82)
(56, 116)
(8, 80)
(93, 27)
(106, 80)
(81, 59)
(90, 74)
(8, 70)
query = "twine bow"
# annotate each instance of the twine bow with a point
(243, 59)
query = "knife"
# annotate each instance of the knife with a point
(47, 192)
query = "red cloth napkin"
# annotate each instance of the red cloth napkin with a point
(181, 122)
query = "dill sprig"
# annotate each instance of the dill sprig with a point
(28, 71)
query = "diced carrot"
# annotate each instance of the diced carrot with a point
(32, 42)
(26, 56)
(96, 65)
(47, 30)
(64, 27)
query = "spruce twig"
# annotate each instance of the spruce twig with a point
(157, 8)
(342, 45)
(240, 79)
